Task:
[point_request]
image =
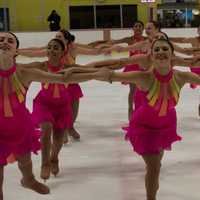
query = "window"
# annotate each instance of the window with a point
(176, 18)
(102, 16)
(129, 13)
(81, 17)
(108, 16)
(4, 19)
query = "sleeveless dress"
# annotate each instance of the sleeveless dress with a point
(74, 89)
(153, 125)
(17, 132)
(134, 67)
(53, 104)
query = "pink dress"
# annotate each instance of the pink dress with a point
(153, 126)
(17, 132)
(134, 67)
(53, 104)
(74, 89)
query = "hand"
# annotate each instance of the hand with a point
(103, 74)
(67, 72)
(117, 48)
(106, 51)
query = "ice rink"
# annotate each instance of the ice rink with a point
(102, 166)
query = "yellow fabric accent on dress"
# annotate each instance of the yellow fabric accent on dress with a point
(12, 85)
(163, 108)
(19, 88)
(164, 93)
(154, 93)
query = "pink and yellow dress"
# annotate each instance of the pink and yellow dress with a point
(53, 104)
(17, 132)
(74, 89)
(153, 125)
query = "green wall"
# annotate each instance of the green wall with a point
(31, 15)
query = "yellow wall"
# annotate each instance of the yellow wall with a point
(31, 15)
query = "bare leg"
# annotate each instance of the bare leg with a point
(72, 132)
(75, 108)
(28, 179)
(199, 110)
(153, 165)
(46, 146)
(1, 182)
(130, 100)
(66, 137)
(58, 136)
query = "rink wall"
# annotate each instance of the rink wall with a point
(41, 38)
(31, 15)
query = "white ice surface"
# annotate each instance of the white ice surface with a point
(102, 166)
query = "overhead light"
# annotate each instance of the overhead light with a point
(195, 12)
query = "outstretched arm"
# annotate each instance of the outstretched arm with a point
(126, 40)
(78, 69)
(130, 77)
(27, 76)
(97, 43)
(143, 80)
(189, 77)
(142, 60)
(33, 48)
(182, 40)
(36, 65)
(88, 51)
(186, 62)
(187, 51)
(33, 53)
(136, 46)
